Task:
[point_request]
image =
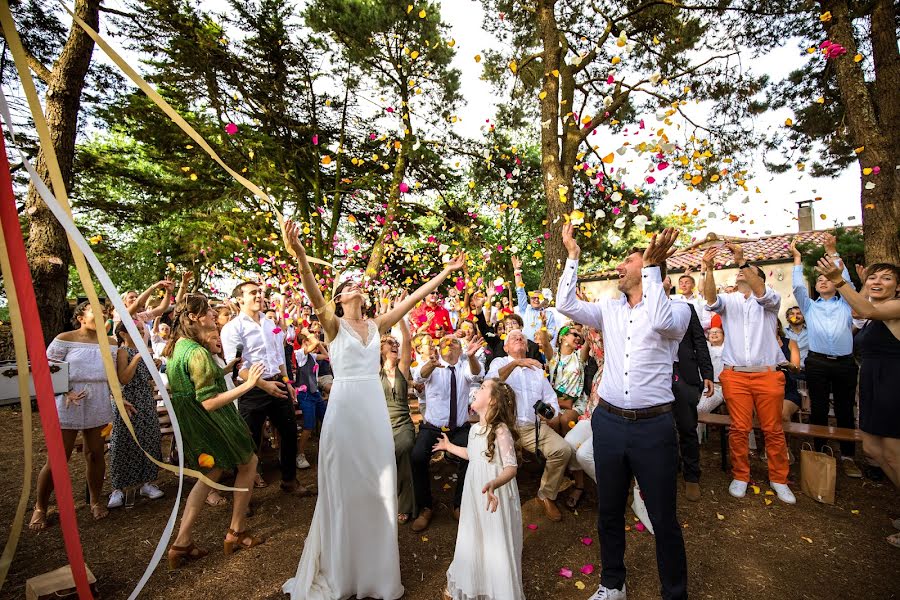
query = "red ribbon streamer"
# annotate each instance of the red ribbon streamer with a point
(40, 369)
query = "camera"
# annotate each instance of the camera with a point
(543, 409)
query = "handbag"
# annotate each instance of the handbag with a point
(818, 474)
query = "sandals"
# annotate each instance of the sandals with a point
(178, 555)
(219, 499)
(893, 540)
(402, 518)
(38, 520)
(99, 511)
(242, 540)
(574, 498)
(260, 483)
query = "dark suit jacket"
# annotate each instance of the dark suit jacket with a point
(495, 344)
(694, 364)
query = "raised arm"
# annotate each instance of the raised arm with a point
(567, 302)
(183, 288)
(709, 279)
(798, 282)
(521, 294)
(887, 311)
(291, 235)
(754, 280)
(385, 322)
(405, 348)
(667, 318)
(142, 299)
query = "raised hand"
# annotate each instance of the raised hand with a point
(829, 241)
(290, 235)
(186, 277)
(795, 252)
(492, 501)
(568, 239)
(861, 273)
(738, 252)
(474, 345)
(458, 262)
(830, 270)
(660, 247)
(709, 257)
(516, 263)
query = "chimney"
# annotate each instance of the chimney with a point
(805, 215)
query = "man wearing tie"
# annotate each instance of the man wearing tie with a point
(448, 380)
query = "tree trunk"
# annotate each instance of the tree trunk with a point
(47, 247)
(556, 179)
(871, 113)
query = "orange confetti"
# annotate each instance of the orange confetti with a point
(206, 461)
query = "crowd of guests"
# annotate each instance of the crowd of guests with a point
(554, 383)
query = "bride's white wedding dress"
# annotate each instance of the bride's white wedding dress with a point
(351, 548)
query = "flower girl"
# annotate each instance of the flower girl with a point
(487, 564)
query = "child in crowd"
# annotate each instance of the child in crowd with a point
(308, 349)
(488, 559)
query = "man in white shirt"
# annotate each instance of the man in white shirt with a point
(750, 377)
(448, 380)
(686, 292)
(526, 377)
(273, 397)
(633, 424)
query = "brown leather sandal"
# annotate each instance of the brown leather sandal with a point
(178, 555)
(38, 520)
(243, 540)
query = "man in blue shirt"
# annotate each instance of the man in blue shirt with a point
(531, 308)
(830, 366)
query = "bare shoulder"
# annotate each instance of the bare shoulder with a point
(67, 336)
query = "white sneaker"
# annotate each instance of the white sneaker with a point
(302, 463)
(148, 490)
(603, 593)
(738, 489)
(116, 499)
(784, 492)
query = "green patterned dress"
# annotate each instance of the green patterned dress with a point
(222, 434)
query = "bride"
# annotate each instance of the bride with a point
(351, 548)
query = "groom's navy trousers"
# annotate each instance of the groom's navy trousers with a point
(648, 450)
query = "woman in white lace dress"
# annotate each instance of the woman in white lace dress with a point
(487, 564)
(351, 548)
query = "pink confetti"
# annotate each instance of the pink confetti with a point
(662, 165)
(640, 527)
(403, 187)
(876, 170)
(231, 129)
(531, 526)
(587, 569)
(587, 541)
(302, 388)
(277, 330)
(567, 573)
(315, 140)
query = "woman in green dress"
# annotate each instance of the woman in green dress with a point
(215, 437)
(395, 377)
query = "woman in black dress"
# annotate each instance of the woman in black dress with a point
(878, 347)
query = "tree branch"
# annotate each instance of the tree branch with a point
(42, 72)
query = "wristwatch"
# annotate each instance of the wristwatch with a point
(841, 284)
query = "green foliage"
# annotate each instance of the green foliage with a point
(851, 247)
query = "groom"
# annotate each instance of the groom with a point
(633, 424)
(447, 380)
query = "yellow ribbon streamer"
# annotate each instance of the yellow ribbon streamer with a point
(18, 332)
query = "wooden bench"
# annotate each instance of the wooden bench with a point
(839, 434)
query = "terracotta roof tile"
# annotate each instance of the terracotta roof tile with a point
(773, 248)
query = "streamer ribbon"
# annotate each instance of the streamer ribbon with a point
(7, 205)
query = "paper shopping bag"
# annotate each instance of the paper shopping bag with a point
(818, 473)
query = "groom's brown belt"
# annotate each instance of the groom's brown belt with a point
(635, 414)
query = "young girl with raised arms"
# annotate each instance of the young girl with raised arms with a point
(487, 564)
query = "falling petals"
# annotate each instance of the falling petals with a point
(231, 129)
(206, 461)
(587, 569)
(564, 572)
(587, 541)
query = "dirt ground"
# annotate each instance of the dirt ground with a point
(736, 548)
